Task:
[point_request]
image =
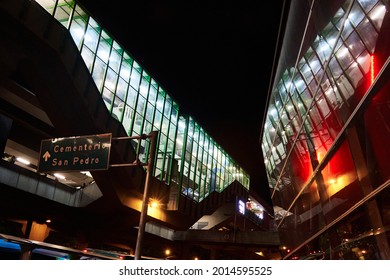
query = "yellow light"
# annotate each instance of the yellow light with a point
(154, 204)
(260, 253)
(59, 176)
(332, 181)
(167, 252)
(23, 160)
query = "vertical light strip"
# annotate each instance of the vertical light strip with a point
(372, 69)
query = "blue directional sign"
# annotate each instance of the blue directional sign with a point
(91, 152)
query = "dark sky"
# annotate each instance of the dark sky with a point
(213, 57)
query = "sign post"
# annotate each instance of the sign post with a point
(144, 211)
(90, 152)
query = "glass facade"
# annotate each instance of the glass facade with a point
(326, 132)
(186, 155)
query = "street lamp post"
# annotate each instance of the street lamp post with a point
(145, 201)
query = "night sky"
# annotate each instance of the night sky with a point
(213, 57)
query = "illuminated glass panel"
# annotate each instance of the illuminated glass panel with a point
(332, 77)
(134, 98)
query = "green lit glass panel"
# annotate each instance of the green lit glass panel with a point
(137, 128)
(175, 112)
(157, 120)
(118, 108)
(125, 70)
(165, 126)
(131, 97)
(78, 26)
(170, 147)
(141, 105)
(161, 154)
(98, 72)
(149, 112)
(196, 133)
(127, 120)
(121, 89)
(115, 57)
(160, 102)
(147, 127)
(111, 79)
(135, 79)
(48, 5)
(144, 150)
(167, 107)
(162, 143)
(180, 139)
(91, 38)
(108, 98)
(152, 95)
(137, 66)
(104, 47)
(169, 158)
(63, 11)
(88, 57)
(144, 88)
(172, 131)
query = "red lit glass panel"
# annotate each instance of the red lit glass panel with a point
(341, 183)
(377, 121)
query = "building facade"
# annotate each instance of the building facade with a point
(142, 105)
(62, 76)
(326, 131)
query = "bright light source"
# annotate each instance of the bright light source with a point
(332, 181)
(59, 176)
(154, 204)
(260, 253)
(23, 160)
(86, 173)
(167, 252)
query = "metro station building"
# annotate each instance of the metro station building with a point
(63, 77)
(325, 136)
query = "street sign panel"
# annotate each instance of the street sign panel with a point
(82, 153)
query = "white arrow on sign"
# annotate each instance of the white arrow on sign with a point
(46, 155)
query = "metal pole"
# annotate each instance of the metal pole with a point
(145, 201)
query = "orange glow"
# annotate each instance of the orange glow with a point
(154, 203)
(336, 185)
(332, 181)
